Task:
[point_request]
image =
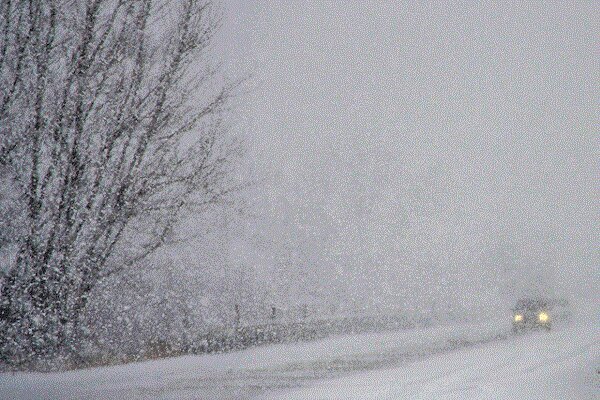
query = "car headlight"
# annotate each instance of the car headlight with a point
(518, 318)
(543, 317)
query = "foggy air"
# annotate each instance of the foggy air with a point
(299, 199)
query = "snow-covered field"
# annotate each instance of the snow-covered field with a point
(479, 361)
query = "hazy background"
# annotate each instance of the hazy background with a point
(418, 154)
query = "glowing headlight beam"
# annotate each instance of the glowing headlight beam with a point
(543, 317)
(518, 318)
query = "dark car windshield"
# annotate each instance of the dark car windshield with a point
(531, 304)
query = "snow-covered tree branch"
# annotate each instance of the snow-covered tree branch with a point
(107, 135)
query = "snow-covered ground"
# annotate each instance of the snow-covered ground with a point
(564, 364)
(478, 361)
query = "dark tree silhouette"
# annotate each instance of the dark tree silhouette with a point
(107, 135)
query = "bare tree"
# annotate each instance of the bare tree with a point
(110, 128)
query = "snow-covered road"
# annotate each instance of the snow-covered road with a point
(479, 361)
(563, 364)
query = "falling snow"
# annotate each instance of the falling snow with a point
(297, 200)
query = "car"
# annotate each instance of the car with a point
(531, 313)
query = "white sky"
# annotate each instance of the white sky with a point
(413, 134)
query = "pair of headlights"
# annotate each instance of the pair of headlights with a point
(542, 317)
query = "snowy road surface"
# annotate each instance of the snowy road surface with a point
(477, 361)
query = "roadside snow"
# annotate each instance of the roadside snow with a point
(248, 373)
(444, 362)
